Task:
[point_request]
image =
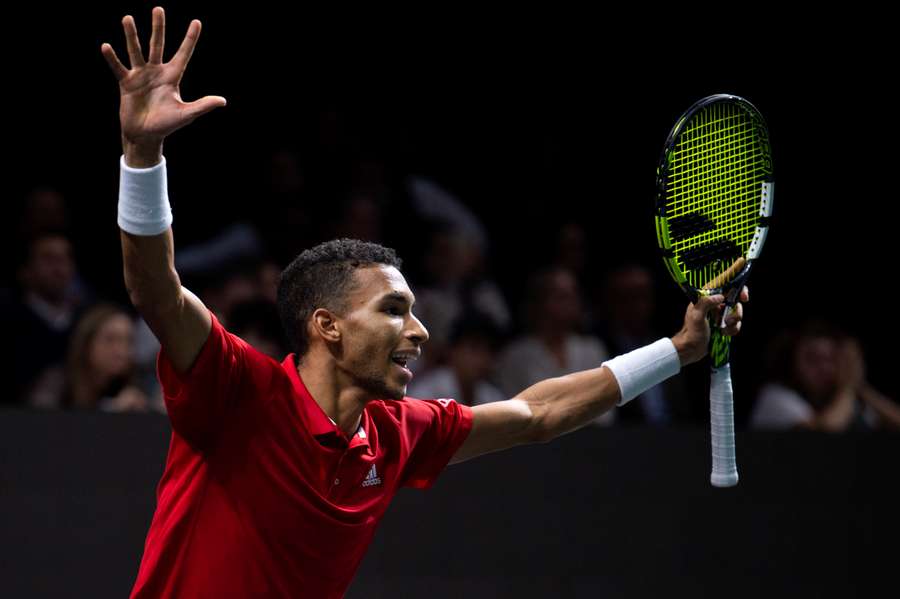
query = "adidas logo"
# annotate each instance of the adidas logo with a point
(372, 478)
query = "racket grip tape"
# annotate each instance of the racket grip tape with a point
(721, 409)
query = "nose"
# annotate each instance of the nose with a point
(417, 331)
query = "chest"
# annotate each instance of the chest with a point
(287, 473)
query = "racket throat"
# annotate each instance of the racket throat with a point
(719, 344)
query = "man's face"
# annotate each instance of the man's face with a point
(472, 359)
(379, 332)
(562, 302)
(51, 268)
(816, 368)
(110, 352)
(629, 298)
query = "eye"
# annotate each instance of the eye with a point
(394, 311)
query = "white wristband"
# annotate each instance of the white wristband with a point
(644, 368)
(143, 199)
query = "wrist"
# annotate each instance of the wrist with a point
(639, 370)
(682, 349)
(143, 199)
(142, 153)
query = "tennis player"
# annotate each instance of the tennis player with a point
(278, 473)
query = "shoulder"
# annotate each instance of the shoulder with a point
(778, 393)
(434, 383)
(588, 343)
(260, 368)
(779, 407)
(522, 346)
(411, 407)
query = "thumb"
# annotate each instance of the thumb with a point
(203, 105)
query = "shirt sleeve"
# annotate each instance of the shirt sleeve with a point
(779, 408)
(435, 429)
(197, 400)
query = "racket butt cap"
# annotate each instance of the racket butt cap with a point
(724, 480)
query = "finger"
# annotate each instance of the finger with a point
(733, 329)
(117, 67)
(192, 110)
(745, 294)
(736, 315)
(707, 304)
(158, 37)
(131, 40)
(734, 320)
(183, 56)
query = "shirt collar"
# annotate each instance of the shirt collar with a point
(317, 422)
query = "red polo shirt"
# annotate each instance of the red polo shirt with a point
(262, 495)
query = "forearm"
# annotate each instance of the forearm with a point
(567, 403)
(145, 222)
(836, 416)
(563, 404)
(149, 268)
(888, 412)
(178, 318)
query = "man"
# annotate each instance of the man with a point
(818, 382)
(278, 474)
(465, 377)
(554, 345)
(42, 320)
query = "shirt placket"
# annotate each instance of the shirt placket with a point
(336, 481)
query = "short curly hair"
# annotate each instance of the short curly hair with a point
(321, 277)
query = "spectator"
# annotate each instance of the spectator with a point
(456, 284)
(627, 307)
(361, 217)
(44, 210)
(456, 278)
(100, 366)
(554, 346)
(818, 382)
(473, 347)
(283, 210)
(41, 319)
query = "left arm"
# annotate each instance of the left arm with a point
(540, 413)
(557, 406)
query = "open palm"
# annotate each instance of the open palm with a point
(151, 106)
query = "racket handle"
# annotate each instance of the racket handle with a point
(721, 410)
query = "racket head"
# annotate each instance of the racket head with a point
(714, 195)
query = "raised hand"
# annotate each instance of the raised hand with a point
(151, 107)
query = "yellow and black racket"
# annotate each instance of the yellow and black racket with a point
(713, 205)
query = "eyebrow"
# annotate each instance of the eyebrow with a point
(399, 297)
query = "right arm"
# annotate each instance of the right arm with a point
(176, 316)
(151, 109)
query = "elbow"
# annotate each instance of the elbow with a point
(540, 430)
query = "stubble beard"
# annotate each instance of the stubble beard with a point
(377, 387)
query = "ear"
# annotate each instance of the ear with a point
(325, 325)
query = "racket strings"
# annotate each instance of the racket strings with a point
(716, 171)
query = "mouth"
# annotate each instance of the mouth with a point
(401, 361)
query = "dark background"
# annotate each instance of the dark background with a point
(628, 513)
(531, 119)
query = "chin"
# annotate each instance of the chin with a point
(397, 393)
(383, 389)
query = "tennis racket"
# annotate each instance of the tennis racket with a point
(713, 205)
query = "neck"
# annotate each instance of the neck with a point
(342, 403)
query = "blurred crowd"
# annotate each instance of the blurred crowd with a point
(74, 350)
